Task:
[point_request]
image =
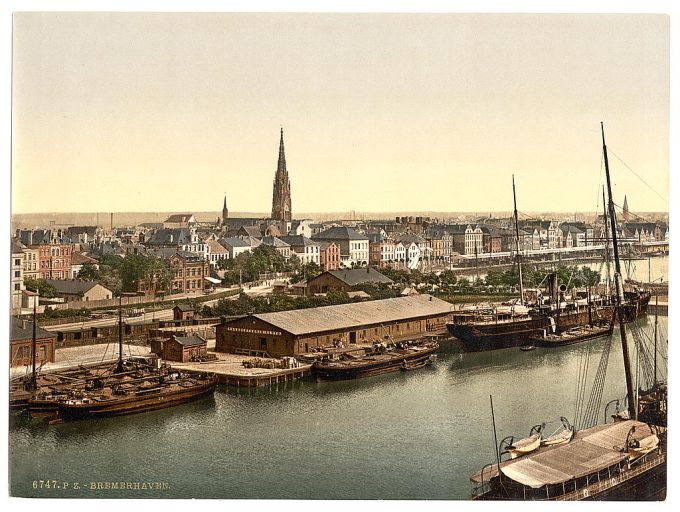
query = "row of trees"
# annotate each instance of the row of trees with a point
(248, 266)
(534, 277)
(447, 282)
(245, 304)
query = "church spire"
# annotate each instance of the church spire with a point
(225, 210)
(281, 207)
(626, 212)
(281, 167)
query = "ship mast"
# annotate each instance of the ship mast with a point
(606, 247)
(632, 410)
(119, 366)
(519, 263)
(34, 378)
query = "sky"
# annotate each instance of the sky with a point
(381, 112)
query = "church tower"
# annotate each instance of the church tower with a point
(281, 209)
(626, 212)
(225, 211)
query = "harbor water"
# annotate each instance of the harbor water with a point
(404, 435)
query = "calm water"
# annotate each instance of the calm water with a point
(414, 435)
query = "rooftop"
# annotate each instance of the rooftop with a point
(347, 316)
(355, 276)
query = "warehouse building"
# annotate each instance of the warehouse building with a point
(345, 280)
(289, 333)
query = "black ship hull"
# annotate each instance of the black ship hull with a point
(392, 362)
(482, 336)
(493, 336)
(649, 485)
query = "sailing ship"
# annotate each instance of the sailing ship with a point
(511, 325)
(623, 460)
(132, 385)
(382, 357)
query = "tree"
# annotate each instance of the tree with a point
(41, 287)
(89, 272)
(306, 272)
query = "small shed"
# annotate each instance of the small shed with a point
(280, 286)
(184, 349)
(183, 312)
(21, 344)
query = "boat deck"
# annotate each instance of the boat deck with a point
(591, 450)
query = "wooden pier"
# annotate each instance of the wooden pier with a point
(230, 370)
(269, 379)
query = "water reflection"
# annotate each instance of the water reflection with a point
(402, 435)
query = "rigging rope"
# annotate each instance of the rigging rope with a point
(638, 176)
(595, 399)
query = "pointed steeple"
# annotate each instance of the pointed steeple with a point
(281, 167)
(281, 207)
(626, 212)
(225, 210)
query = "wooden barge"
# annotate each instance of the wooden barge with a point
(377, 360)
(571, 336)
(137, 388)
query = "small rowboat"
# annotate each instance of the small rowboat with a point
(524, 446)
(561, 437)
(640, 447)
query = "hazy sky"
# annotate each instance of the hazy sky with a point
(167, 112)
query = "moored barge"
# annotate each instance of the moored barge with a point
(381, 358)
(152, 393)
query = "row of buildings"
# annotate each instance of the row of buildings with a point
(195, 249)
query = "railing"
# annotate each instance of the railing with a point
(603, 485)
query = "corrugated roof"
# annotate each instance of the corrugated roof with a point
(346, 316)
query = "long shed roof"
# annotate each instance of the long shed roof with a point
(348, 316)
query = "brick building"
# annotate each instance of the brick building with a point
(21, 341)
(345, 280)
(184, 349)
(183, 312)
(190, 273)
(329, 255)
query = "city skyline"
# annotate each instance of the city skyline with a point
(157, 111)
